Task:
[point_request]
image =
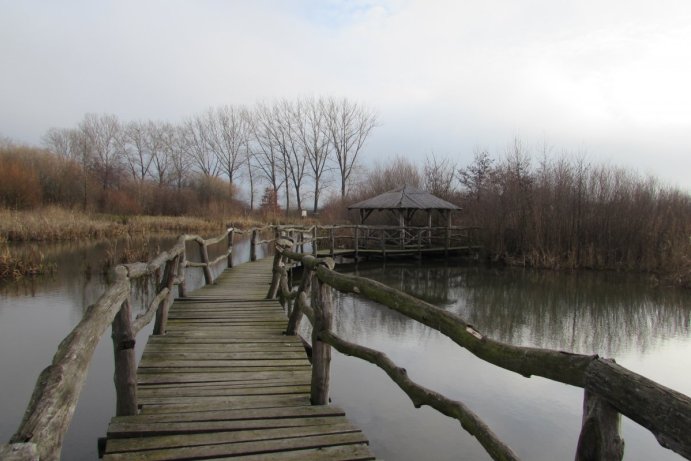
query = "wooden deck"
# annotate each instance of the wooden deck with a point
(225, 383)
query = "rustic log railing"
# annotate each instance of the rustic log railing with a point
(609, 389)
(55, 396)
(358, 239)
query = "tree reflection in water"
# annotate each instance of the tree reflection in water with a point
(585, 312)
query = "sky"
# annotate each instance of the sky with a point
(609, 81)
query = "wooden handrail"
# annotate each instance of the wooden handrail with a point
(55, 396)
(609, 389)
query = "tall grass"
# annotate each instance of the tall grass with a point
(56, 224)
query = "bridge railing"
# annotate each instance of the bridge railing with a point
(56, 394)
(382, 239)
(609, 389)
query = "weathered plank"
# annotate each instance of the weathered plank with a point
(240, 448)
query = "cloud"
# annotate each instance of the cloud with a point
(444, 75)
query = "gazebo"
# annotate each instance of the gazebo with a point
(404, 202)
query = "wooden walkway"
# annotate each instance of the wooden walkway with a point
(225, 383)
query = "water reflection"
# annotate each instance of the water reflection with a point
(645, 328)
(588, 312)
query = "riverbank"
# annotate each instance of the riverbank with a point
(53, 224)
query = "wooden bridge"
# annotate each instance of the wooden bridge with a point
(225, 381)
(224, 376)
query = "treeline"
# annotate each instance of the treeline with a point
(552, 211)
(281, 155)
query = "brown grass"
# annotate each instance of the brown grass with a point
(14, 267)
(58, 224)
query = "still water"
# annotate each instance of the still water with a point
(645, 328)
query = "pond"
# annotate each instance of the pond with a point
(645, 328)
(621, 316)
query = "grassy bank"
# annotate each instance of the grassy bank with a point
(57, 224)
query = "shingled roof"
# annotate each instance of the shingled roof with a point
(404, 198)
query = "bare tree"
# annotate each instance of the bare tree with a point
(476, 176)
(288, 120)
(265, 154)
(180, 161)
(439, 176)
(315, 142)
(228, 137)
(133, 143)
(100, 133)
(161, 139)
(195, 143)
(348, 126)
(61, 141)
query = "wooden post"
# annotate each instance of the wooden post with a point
(321, 351)
(383, 242)
(599, 439)
(356, 242)
(419, 243)
(231, 238)
(332, 245)
(401, 224)
(446, 242)
(281, 245)
(125, 362)
(315, 234)
(253, 246)
(296, 314)
(182, 264)
(168, 280)
(204, 255)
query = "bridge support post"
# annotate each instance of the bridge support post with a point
(253, 246)
(125, 376)
(321, 351)
(231, 238)
(599, 439)
(168, 280)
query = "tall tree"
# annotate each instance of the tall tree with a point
(228, 137)
(265, 154)
(314, 138)
(348, 125)
(100, 133)
(194, 139)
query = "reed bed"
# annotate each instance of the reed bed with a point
(58, 224)
(16, 267)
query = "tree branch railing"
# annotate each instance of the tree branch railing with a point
(56, 394)
(609, 389)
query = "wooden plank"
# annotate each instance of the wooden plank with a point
(358, 452)
(228, 403)
(147, 429)
(240, 448)
(199, 377)
(308, 411)
(179, 393)
(120, 445)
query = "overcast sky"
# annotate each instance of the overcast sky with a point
(610, 80)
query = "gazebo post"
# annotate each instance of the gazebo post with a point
(401, 224)
(429, 230)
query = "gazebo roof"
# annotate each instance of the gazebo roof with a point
(404, 198)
